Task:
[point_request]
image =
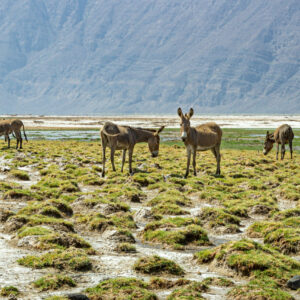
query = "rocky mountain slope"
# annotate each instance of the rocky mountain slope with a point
(146, 56)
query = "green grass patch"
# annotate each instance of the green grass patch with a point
(53, 282)
(121, 289)
(72, 259)
(9, 291)
(20, 174)
(157, 265)
(248, 258)
(190, 291)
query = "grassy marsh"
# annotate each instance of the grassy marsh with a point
(68, 208)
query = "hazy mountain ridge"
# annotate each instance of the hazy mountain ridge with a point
(67, 56)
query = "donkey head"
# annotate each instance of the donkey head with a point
(269, 141)
(153, 142)
(185, 125)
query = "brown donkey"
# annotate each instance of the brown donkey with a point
(124, 138)
(16, 126)
(12, 126)
(5, 130)
(282, 135)
(201, 138)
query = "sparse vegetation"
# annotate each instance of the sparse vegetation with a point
(157, 265)
(121, 289)
(73, 259)
(70, 206)
(9, 291)
(190, 291)
(54, 282)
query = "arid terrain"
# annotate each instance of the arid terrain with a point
(154, 235)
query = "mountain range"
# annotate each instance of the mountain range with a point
(60, 57)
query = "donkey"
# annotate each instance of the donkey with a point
(124, 138)
(201, 138)
(13, 126)
(5, 129)
(282, 135)
(16, 126)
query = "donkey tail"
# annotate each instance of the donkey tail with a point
(25, 133)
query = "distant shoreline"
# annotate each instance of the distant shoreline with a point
(148, 121)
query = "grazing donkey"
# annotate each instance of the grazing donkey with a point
(282, 135)
(201, 138)
(5, 130)
(12, 126)
(124, 138)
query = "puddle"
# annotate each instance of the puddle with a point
(286, 204)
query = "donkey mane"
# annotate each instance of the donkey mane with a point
(139, 128)
(271, 137)
(145, 129)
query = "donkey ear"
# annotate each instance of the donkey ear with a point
(160, 129)
(190, 114)
(179, 112)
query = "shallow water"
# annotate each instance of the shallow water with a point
(171, 121)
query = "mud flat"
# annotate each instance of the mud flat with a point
(170, 121)
(65, 229)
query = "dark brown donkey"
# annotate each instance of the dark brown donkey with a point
(282, 135)
(124, 138)
(201, 138)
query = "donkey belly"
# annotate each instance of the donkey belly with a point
(203, 148)
(121, 146)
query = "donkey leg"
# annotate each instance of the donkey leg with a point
(8, 140)
(130, 153)
(123, 159)
(112, 158)
(103, 158)
(216, 152)
(21, 142)
(188, 162)
(194, 161)
(218, 160)
(19, 139)
(282, 151)
(213, 150)
(291, 148)
(277, 152)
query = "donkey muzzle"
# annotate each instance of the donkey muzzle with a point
(184, 136)
(154, 153)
